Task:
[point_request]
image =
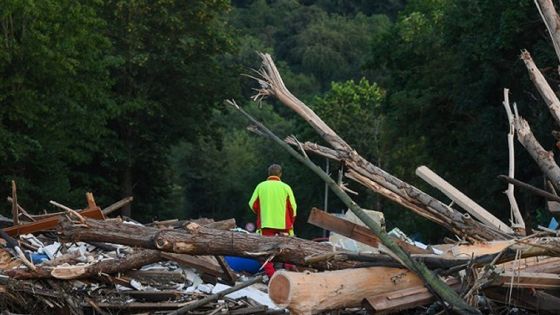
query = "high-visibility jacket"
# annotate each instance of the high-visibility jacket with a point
(274, 204)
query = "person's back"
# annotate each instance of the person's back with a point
(274, 204)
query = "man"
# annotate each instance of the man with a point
(275, 206)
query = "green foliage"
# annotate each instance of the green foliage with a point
(446, 64)
(54, 96)
(166, 82)
(350, 104)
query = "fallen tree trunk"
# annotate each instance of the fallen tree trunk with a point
(199, 240)
(109, 266)
(311, 293)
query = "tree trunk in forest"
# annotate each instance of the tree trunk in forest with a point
(383, 182)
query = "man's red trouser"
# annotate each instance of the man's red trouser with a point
(269, 266)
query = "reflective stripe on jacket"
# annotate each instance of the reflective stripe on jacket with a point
(274, 204)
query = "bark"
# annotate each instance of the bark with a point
(199, 240)
(542, 86)
(545, 159)
(392, 187)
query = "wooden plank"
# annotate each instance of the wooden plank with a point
(354, 231)
(199, 264)
(529, 280)
(345, 228)
(399, 300)
(461, 199)
(49, 223)
(229, 276)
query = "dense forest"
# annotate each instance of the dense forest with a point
(126, 98)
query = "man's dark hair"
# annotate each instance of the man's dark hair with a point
(275, 170)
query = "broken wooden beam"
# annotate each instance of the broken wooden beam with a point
(544, 159)
(404, 299)
(117, 205)
(530, 188)
(49, 223)
(135, 260)
(345, 228)
(354, 231)
(198, 263)
(461, 199)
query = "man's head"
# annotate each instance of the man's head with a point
(275, 170)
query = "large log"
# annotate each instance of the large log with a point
(311, 293)
(199, 240)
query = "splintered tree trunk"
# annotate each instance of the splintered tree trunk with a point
(380, 181)
(311, 293)
(542, 86)
(545, 159)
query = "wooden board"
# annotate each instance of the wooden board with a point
(461, 199)
(345, 228)
(404, 299)
(49, 223)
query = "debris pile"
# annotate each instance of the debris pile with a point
(40, 273)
